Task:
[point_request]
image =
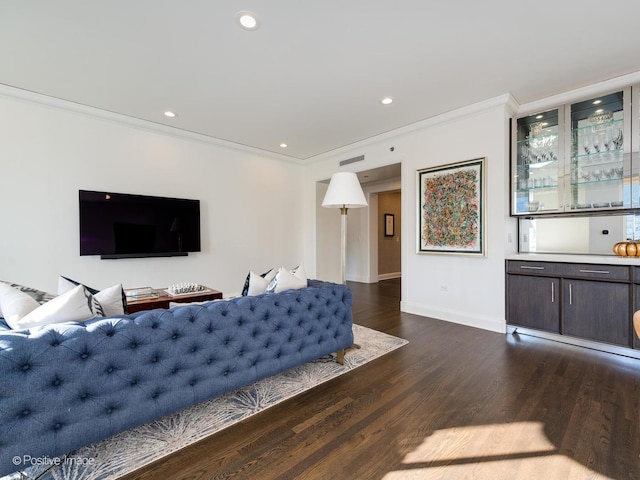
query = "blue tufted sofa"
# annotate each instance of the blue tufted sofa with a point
(71, 384)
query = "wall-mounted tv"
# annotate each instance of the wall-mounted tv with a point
(120, 225)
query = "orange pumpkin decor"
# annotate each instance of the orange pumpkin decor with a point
(627, 249)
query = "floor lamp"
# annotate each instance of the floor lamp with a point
(344, 192)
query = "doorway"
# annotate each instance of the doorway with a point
(366, 230)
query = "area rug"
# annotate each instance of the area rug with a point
(135, 448)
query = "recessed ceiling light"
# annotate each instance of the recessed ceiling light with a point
(596, 102)
(386, 101)
(248, 20)
(544, 124)
(599, 110)
(283, 145)
(170, 114)
(539, 117)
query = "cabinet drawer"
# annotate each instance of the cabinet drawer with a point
(535, 268)
(617, 273)
(592, 271)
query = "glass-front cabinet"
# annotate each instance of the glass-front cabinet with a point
(538, 173)
(575, 158)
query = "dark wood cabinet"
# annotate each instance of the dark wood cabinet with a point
(579, 301)
(534, 302)
(597, 311)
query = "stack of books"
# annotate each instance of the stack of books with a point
(140, 293)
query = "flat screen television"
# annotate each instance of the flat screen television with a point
(120, 225)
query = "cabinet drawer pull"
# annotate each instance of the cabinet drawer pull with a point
(531, 268)
(570, 294)
(595, 271)
(553, 293)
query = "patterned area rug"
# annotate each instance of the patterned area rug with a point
(135, 448)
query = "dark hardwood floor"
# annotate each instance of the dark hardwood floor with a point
(456, 402)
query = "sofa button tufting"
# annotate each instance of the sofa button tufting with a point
(83, 396)
(57, 426)
(110, 370)
(134, 345)
(174, 336)
(84, 356)
(56, 382)
(26, 412)
(109, 411)
(26, 367)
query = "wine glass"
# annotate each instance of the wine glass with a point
(616, 133)
(586, 144)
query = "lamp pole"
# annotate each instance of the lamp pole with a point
(343, 243)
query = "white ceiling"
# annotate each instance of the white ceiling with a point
(314, 72)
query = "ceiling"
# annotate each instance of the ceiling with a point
(313, 74)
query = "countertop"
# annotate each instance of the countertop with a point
(561, 257)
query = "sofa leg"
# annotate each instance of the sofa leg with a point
(340, 353)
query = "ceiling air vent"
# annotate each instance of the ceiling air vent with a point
(352, 160)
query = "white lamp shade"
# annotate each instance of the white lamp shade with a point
(344, 191)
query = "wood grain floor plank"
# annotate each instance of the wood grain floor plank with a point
(456, 402)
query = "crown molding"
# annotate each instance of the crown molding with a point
(579, 94)
(506, 101)
(78, 108)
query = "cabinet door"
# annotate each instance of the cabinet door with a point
(599, 153)
(533, 302)
(536, 183)
(597, 311)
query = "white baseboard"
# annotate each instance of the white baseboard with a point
(389, 276)
(455, 316)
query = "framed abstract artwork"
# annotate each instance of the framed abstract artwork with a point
(451, 208)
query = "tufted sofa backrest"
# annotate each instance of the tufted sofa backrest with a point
(67, 385)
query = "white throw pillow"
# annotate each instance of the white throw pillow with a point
(258, 284)
(288, 280)
(15, 304)
(76, 305)
(110, 298)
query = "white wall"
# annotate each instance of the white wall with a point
(461, 289)
(251, 218)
